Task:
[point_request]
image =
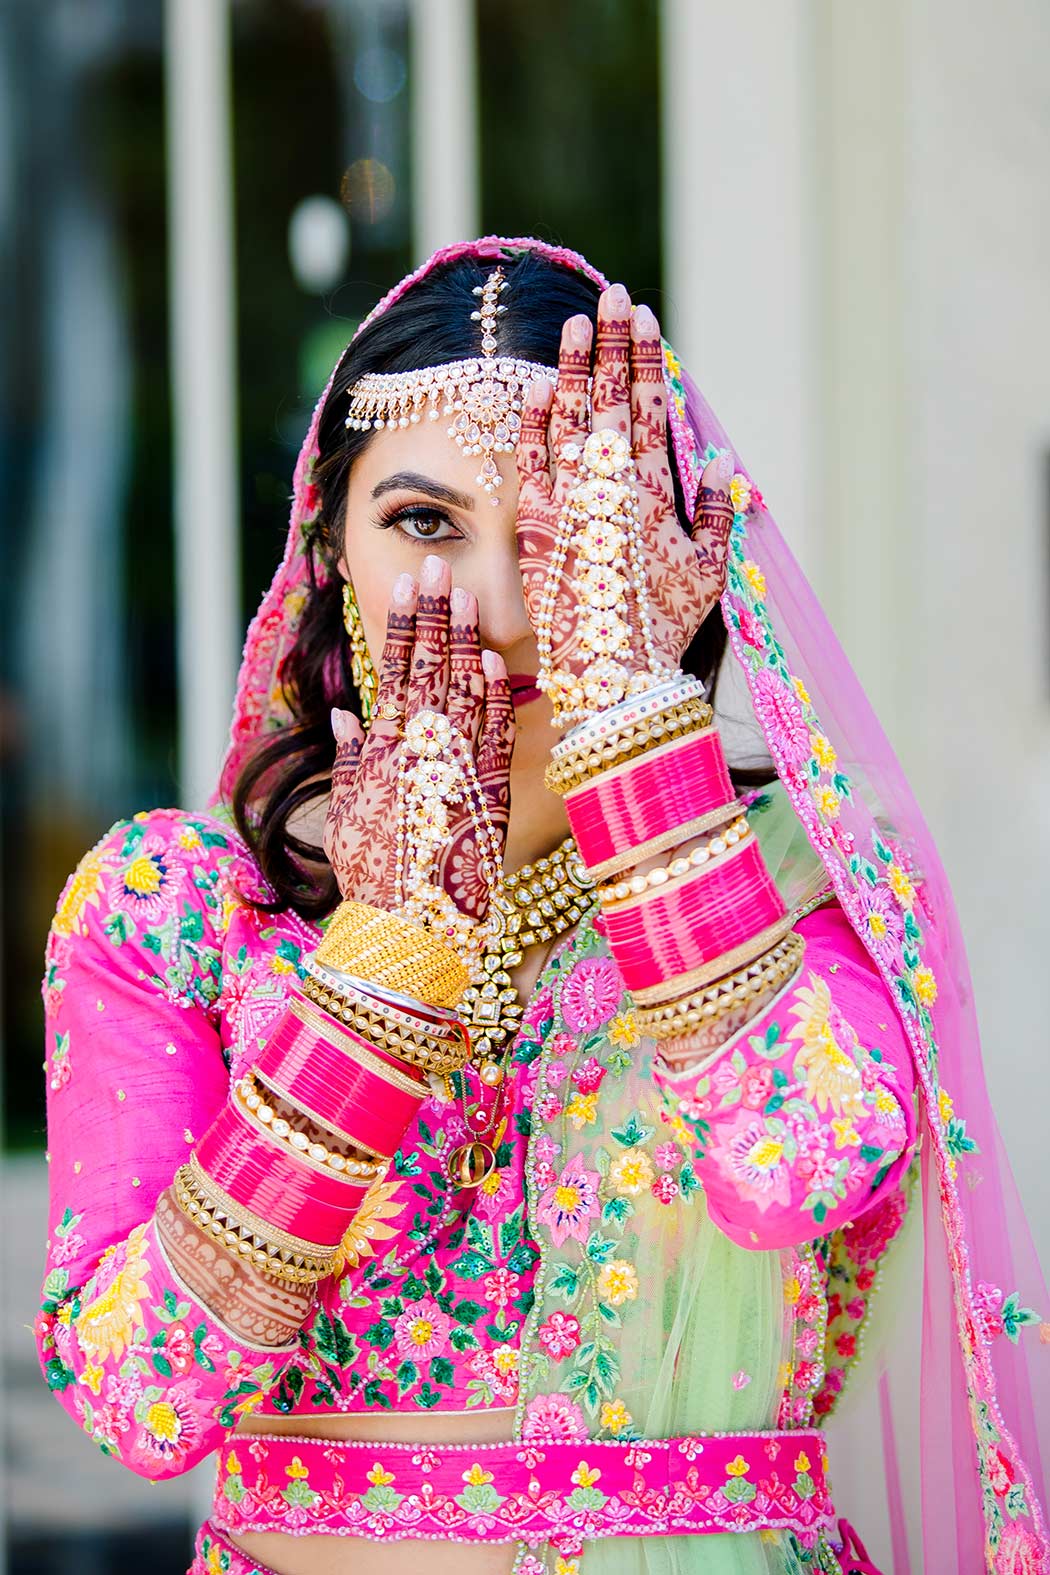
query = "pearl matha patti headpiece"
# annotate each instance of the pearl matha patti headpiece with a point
(484, 395)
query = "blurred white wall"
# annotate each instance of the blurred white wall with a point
(858, 227)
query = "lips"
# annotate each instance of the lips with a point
(523, 688)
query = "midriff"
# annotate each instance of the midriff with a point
(326, 1555)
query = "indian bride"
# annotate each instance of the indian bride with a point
(484, 1128)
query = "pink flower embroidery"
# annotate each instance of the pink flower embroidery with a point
(987, 1300)
(559, 1335)
(178, 1348)
(147, 885)
(751, 630)
(665, 1189)
(757, 1086)
(1019, 1553)
(869, 1236)
(501, 1287)
(571, 1203)
(591, 994)
(588, 1075)
(781, 715)
(881, 923)
(668, 1156)
(554, 1416)
(421, 1331)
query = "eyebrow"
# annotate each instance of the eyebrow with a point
(414, 482)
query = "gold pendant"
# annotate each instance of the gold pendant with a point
(471, 1163)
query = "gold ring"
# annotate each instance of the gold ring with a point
(388, 711)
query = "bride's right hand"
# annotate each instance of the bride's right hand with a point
(432, 660)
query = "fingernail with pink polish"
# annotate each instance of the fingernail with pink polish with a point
(458, 599)
(580, 330)
(339, 726)
(404, 586)
(431, 572)
(618, 299)
(492, 664)
(724, 467)
(644, 322)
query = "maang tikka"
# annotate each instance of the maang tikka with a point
(484, 396)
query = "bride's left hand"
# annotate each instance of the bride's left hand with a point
(685, 570)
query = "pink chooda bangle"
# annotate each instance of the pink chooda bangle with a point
(642, 799)
(341, 1082)
(267, 1179)
(676, 928)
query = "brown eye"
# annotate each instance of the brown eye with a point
(421, 522)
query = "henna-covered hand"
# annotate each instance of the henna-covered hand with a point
(432, 660)
(685, 571)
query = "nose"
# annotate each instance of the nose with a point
(501, 596)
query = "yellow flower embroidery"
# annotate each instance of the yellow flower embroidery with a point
(297, 1471)
(846, 1134)
(832, 1076)
(754, 576)
(84, 889)
(885, 1104)
(801, 690)
(162, 1421)
(368, 1226)
(615, 1416)
(623, 1030)
(190, 839)
(828, 802)
(106, 1324)
(475, 1477)
(765, 1153)
(792, 1290)
(802, 1461)
(901, 885)
(566, 1566)
(378, 1477)
(92, 1378)
(945, 1106)
(583, 1476)
(505, 1359)
(582, 1109)
(740, 493)
(823, 751)
(492, 1183)
(925, 986)
(632, 1173)
(233, 1465)
(617, 1282)
(738, 1467)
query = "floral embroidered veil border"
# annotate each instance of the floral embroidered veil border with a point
(985, 1388)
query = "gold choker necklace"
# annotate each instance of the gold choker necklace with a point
(539, 902)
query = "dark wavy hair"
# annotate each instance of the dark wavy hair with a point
(428, 325)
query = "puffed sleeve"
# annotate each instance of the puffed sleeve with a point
(806, 1118)
(135, 1072)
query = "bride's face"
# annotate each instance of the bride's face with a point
(413, 493)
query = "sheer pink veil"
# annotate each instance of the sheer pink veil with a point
(985, 1390)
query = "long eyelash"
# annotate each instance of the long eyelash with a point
(391, 515)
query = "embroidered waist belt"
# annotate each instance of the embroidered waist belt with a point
(539, 1490)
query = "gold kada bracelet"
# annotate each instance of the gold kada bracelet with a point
(571, 771)
(242, 1232)
(726, 994)
(393, 953)
(438, 1057)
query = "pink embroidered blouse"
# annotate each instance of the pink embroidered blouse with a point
(161, 981)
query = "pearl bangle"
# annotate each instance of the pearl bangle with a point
(247, 1092)
(702, 854)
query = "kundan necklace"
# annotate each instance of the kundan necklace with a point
(537, 903)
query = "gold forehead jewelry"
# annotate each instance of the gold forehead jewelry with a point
(484, 395)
